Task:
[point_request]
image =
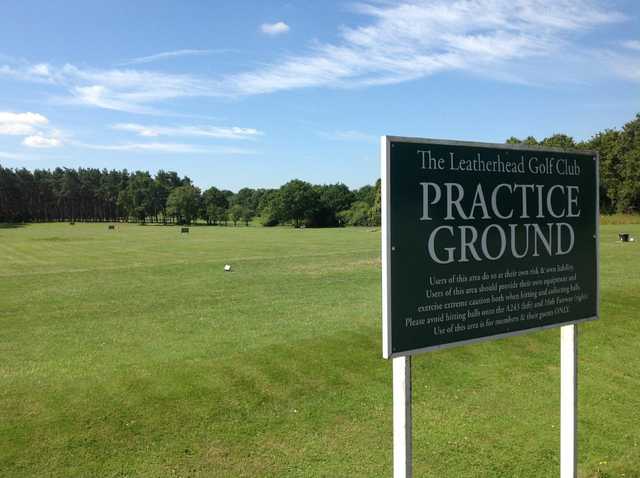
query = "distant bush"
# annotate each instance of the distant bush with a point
(620, 219)
(268, 219)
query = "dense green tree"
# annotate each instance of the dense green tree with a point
(247, 215)
(366, 194)
(359, 214)
(270, 208)
(58, 195)
(299, 201)
(184, 203)
(608, 143)
(247, 198)
(138, 198)
(529, 141)
(10, 200)
(165, 182)
(235, 213)
(375, 214)
(89, 194)
(559, 141)
(365, 211)
(332, 200)
(619, 163)
(214, 206)
(629, 192)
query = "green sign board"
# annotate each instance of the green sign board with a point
(484, 241)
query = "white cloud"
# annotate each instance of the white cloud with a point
(41, 69)
(412, 40)
(624, 65)
(127, 90)
(40, 141)
(130, 90)
(20, 124)
(632, 44)
(33, 126)
(508, 40)
(165, 55)
(176, 148)
(217, 132)
(274, 28)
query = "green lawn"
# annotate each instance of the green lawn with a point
(131, 353)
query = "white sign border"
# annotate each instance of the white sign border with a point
(385, 158)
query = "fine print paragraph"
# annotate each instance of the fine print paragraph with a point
(459, 303)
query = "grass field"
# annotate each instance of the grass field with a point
(130, 353)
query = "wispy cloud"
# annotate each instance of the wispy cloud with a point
(632, 44)
(175, 148)
(624, 65)
(347, 135)
(399, 42)
(127, 90)
(167, 55)
(412, 40)
(217, 132)
(274, 28)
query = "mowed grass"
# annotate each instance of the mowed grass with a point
(130, 353)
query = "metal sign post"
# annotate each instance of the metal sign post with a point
(568, 400)
(402, 428)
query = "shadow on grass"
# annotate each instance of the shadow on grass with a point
(12, 225)
(194, 225)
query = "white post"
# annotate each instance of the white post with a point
(402, 443)
(568, 400)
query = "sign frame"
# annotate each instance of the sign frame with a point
(387, 248)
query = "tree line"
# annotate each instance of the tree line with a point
(94, 195)
(619, 163)
(88, 194)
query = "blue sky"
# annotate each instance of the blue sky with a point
(248, 93)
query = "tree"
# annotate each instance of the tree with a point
(165, 182)
(70, 192)
(214, 205)
(298, 201)
(366, 194)
(609, 145)
(247, 216)
(249, 200)
(90, 194)
(332, 199)
(270, 208)
(629, 193)
(559, 141)
(529, 141)
(184, 203)
(139, 197)
(125, 203)
(235, 212)
(375, 213)
(10, 200)
(358, 215)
